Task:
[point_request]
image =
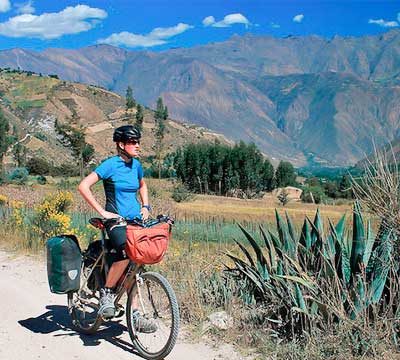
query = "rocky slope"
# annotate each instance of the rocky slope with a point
(33, 104)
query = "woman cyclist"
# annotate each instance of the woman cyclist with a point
(122, 177)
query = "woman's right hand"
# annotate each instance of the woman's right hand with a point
(109, 215)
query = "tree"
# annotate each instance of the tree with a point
(139, 117)
(285, 174)
(19, 154)
(268, 176)
(130, 101)
(165, 114)
(283, 197)
(313, 194)
(87, 153)
(76, 139)
(160, 115)
(331, 189)
(5, 140)
(221, 169)
(345, 187)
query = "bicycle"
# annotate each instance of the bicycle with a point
(150, 290)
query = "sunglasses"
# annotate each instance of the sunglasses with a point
(132, 142)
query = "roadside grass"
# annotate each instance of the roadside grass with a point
(195, 262)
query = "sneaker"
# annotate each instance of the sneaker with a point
(143, 324)
(107, 307)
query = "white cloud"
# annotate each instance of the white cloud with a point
(5, 5)
(383, 23)
(274, 25)
(228, 20)
(209, 20)
(71, 20)
(157, 36)
(25, 8)
(298, 18)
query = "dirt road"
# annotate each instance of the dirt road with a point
(35, 323)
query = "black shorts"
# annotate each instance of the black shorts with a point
(116, 232)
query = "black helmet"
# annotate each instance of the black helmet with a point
(126, 133)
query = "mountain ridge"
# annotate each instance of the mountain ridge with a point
(350, 85)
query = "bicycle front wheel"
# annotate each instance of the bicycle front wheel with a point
(155, 299)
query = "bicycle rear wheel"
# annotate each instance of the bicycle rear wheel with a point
(83, 305)
(157, 301)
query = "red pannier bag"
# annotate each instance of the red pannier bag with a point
(147, 245)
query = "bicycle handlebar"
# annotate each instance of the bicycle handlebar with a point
(140, 222)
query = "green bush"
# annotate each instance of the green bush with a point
(317, 192)
(65, 169)
(18, 176)
(41, 136)
(41, 179)
(38, 166)
(181, 193)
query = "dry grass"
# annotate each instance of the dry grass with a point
(202, 207)
(259, 211)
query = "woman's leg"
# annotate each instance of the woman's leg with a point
(115, 272)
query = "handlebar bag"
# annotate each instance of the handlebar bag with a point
(64, 261)
(147, 245)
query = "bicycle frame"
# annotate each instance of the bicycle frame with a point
(150, 298)
(129, 277)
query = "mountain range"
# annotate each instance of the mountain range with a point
(308, 99)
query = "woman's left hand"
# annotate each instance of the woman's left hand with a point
(145, 213)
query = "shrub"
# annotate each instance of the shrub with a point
(41, 179)
(41, 136)
(315, 193)
(18, 176)
(66, 169)
(50, 216)
(3, 200)
(38, 166)
(283, 197)
(65, 184)
(181, 193)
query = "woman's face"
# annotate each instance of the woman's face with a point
(131, 147)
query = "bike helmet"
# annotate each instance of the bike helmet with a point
(125, 133)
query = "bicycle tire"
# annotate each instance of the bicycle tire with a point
(139, 339)
(90, 326)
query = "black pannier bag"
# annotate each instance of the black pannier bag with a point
(64, 262)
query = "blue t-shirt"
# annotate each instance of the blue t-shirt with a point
(121, 182)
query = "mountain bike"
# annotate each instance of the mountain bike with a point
(148, 289)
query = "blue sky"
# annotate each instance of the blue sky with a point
(162, 24)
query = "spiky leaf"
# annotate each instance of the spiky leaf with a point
(260, 256)
(305, 238)
(370, 240)
(358, 245)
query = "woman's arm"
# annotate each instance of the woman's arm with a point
(86, 192)
(144, 195)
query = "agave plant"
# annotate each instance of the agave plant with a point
(313, 275)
